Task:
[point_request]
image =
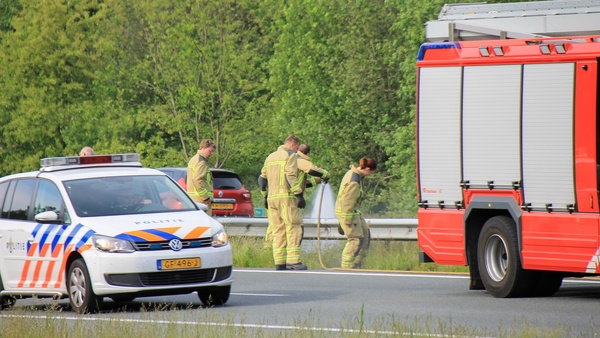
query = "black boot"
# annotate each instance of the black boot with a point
(297, 266)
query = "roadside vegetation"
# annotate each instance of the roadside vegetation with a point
(157, 77)
(172, 321)
(383, 255)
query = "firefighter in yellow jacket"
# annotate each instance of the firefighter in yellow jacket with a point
(353, 225)
(282, 190)
(309, 176)
(199, 179)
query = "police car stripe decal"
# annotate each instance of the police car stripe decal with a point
(150, 235)
(34, 233)
(72, 234)
(43, 249)
(146, 236)
(161, 234)
(31, 248)
(43, 245)
(83, 240)
(63, 264)
(37, 228)
(47, 249)
(56, 239)
(196, 233)
(132, 238)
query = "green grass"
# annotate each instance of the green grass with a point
(173, 321)
(383, 255)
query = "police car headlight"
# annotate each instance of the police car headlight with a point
(220, 239)
(111, 244)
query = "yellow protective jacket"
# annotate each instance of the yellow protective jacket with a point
(199, 179)
(310, 174)
(280, 174)
(350, 196)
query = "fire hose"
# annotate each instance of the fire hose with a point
(319, 230)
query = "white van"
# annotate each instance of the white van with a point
(103, 226)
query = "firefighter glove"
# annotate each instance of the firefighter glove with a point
(301, 201)
(266, 203)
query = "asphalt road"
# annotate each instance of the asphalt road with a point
(379, 302)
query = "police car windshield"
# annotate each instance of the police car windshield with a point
(126, 195)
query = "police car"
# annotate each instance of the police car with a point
(103, 226)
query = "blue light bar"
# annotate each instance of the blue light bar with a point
(437, 45)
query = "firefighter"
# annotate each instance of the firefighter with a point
(199, 179)
(352, 224)
(309, 175)
(282, 191)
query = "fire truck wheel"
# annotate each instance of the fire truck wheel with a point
(79, 287)
(214, 295)
(499, 260)
(5, 301)
(546, 283)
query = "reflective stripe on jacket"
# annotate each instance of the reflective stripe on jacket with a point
(199, 179)
(310, 172)
(349, 195)
(281, 171)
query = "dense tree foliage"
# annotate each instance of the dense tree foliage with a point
(157, 77)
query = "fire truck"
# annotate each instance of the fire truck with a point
(507, 144)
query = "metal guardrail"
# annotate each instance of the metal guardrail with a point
(381, 228)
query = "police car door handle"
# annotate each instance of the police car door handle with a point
(30, 239)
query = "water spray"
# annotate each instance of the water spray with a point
(319, 230)
(319, 226)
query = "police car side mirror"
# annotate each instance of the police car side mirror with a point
(202, 206)
(48, 217)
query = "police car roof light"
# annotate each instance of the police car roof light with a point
(95, 159)
(84, 160)
(133, 157)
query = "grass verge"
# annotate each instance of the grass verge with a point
(178, 322)
(250, 252)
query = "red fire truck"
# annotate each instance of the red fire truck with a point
(507, 145)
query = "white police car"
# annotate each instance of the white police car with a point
(102, 226)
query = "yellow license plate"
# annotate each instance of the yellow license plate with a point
(226, 206)
(181, 263)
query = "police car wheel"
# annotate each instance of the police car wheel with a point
(5, 301)
(81, 295)
(122, 299)
(214, 296)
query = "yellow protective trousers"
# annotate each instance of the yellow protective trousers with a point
(268, 240)
(359, 238)
(286, 229)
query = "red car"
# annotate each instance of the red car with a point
(231, 198)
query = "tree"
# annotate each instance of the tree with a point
(196, 63)
(336, 77)
(8, 9)
(47, 69)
